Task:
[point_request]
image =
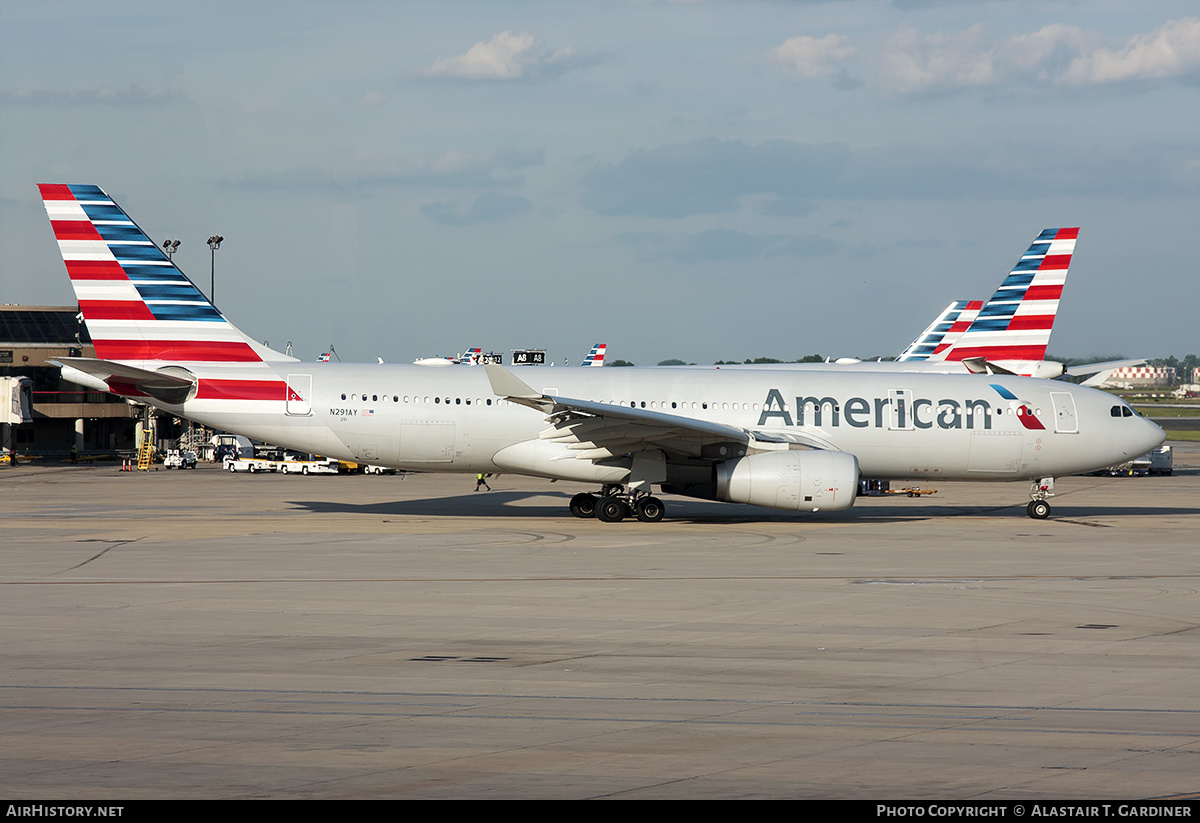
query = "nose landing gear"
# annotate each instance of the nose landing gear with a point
(1039, 490)
(1038, 509)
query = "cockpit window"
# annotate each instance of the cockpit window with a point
(1122, 411)
(1115, 411)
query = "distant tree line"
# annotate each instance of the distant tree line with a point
(1183, 366)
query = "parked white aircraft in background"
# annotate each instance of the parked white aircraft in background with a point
(790, 440)
(1012, 329)
(943, 334)
(1007, 334)
(471, 358)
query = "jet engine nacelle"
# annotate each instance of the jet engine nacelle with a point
(793, 480)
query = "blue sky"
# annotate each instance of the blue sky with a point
(698, 180)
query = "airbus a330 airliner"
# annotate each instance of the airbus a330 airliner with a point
(787, 440)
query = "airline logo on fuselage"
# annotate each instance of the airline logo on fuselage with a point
(897, 411)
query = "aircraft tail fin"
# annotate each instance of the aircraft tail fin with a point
(1015, 324)
(139, 307)
(596, 355)
(943, 332)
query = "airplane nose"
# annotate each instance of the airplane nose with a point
(1149, 436)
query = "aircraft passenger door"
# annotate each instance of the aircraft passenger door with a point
(900, 417)
(299, 393)
(1065, 420)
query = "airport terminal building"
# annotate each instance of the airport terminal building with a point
(63, 414)
(1136, 377)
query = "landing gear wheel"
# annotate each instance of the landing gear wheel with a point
(611, 510)
(583, 505)
(649, 509)
(1038, 509)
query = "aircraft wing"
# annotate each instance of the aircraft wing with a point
(106, 375)
(599, 431)
(1100, 371)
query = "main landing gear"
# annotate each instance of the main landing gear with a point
(1039, 490)
(613, 504)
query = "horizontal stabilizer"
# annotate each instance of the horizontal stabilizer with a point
(127, 381)
(981, 365)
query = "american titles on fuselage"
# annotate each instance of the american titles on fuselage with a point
(899, 410)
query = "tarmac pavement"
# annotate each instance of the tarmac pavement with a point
(197, 634)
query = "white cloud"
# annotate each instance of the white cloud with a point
(506, 56)
(1044, 51)
(914, 62)
(806, 56)
(1170, 50)
(1057, 53)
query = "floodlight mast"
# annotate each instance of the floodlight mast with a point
(214, 243)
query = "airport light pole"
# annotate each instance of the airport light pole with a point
(214, 243)
(170, 247)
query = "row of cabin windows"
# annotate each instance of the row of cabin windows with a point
(755, 406)
(459, 401)
(655, 404)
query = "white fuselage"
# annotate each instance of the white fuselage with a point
(898, 425)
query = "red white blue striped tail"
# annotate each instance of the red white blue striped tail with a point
(935, 341)
(138, 306)
(1016, 323)
(596, 355)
